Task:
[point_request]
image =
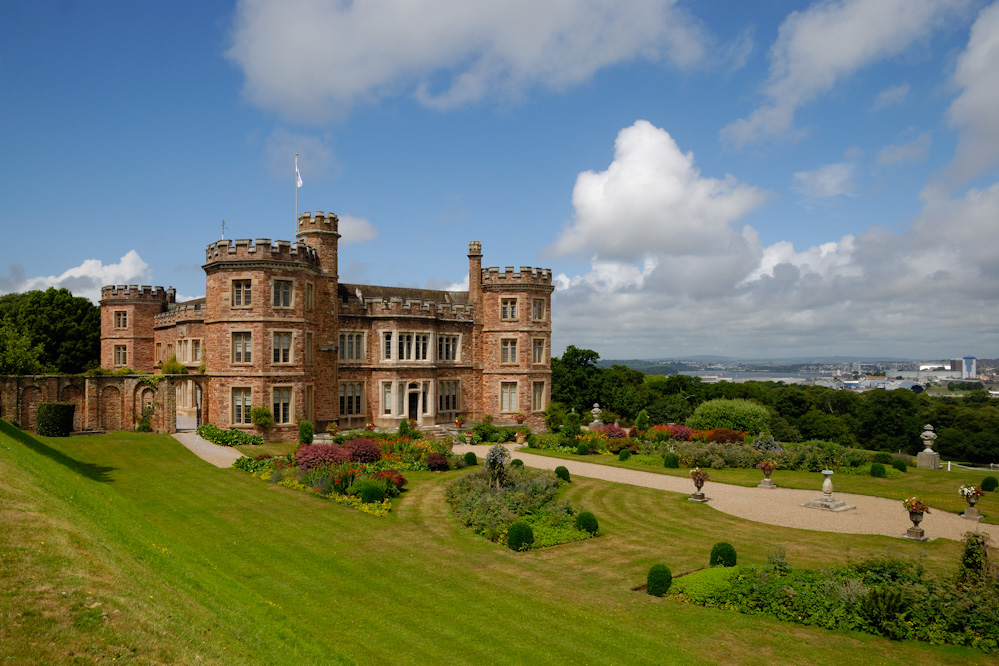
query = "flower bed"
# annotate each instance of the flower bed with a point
(363, 474)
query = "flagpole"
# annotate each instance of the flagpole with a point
(296, 190)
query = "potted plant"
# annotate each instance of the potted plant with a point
(332, 428)
(768, 465)
(698, 476)
(459, 421)
(971, 494)
(370, 427)
(520, 418)
(916, 508)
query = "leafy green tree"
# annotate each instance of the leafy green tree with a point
(67, 327)
(815, 424)
(17, 355)
(888, 421)
(576, 378)
(669, 409)
(750, 417)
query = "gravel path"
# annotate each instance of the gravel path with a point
(780, 506)
(220, 456)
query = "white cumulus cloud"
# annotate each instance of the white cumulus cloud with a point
(314, 59)
(821, 45)
(356, 229)
(84, 280)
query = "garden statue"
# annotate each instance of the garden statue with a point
(596, 411)
(827, 502)
(928, 458)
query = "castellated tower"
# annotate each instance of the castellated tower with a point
(320, 233)
(127, 316)
(514, 313)
(262, 324)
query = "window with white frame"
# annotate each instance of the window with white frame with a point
(387, 346)
(310, 346)
(241, 406)
(508, 397)
(508, 308)
(386, 397)
(448, 392)
(352, 347)
(538, 309)
(242, 344)
(120, 319)
(538, 350)
(242, 293)
(282, 293)
(281, 402)
(310, 296)
(447, 348)
(538, 396)
(351, 398)
(282, 348)
(412, 346)
(120, 355)
(508, 350)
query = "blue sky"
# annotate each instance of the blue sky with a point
(750, 179)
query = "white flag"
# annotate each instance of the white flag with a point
(298, 176)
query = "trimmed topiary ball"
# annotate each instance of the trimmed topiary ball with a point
(516, 462)
(899, 464)
(990, 483)
(878, 471)
(659, 580)
(582, 449)
(722, 555)
(470, 459)
(520, 536)
(587, 522)
(882, 457)
(671, 460)
(624, 455)
(562, 473)
(369, 491)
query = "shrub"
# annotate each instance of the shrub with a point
(671, 460)
(562, 473)
(363, 450)
(878, 471)
(470, 459)
(739, 414)
(613, 431)
(305, 432)
(570, 426)
(587, 522)
(520, 536)
(54, 419)
(899, 464)
(261, 417)
(230, 437)
(554, 416)
(316, 455)
(624, 455)
(722, 555)
(437, 462)
(368, 490)
(173, 367)
(975, 558)
(990, 483)
(642, 420)
(724, 436)
(250, 464)
(394, 481)
(516, 462)
(659, 580)
(582, 449)
(882, 457)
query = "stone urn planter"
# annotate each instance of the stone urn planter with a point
(916, 509)
(767, 467)
(972, 512)
(698, 477)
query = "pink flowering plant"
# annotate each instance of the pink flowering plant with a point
(699, 476)
(768, 465)
(915, 504)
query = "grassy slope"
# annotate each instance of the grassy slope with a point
(191, 564)
(938, 488)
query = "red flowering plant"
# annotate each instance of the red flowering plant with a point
(768, 465)
(915, 504)
(332, 428)
(459, 421)
(519, 418)
(699, 476)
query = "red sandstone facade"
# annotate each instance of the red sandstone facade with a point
(277, 329)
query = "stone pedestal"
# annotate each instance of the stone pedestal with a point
(916, 534)
(972, 513)
(928, 460)
(827, 502)
(767, 483)
(697, 497)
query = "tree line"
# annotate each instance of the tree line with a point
(51, 331)
(967, 428)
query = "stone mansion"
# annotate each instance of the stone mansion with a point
(277, 328)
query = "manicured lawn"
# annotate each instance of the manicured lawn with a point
(126, 546)
(938, 488)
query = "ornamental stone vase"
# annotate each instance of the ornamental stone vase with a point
(915, 533)
(972, 513)
(698, 496)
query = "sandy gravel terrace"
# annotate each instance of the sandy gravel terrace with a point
(781, 506)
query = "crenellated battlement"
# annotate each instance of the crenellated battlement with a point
(377, 307)
(183, 312)
(510, 277)
(129, 292)
(244, 249)
(318, 222)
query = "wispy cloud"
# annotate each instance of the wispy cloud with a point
(891, 96)
(831, 180)
(906, 151)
